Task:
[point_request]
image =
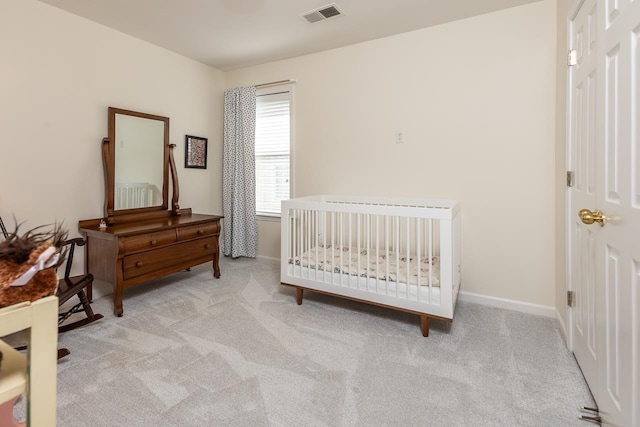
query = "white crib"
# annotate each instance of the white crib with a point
(130, 195)
(397, 253)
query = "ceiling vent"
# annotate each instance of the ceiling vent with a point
(325, 12)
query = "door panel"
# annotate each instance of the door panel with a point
(619, 240)
(612, 127)
(605, 152)
(585, 308)
(617, 326)
(635, 117)
(612, 324)
(635, 334)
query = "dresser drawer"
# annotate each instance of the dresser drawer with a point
(148, 241)
(167, 258)
(195, 231)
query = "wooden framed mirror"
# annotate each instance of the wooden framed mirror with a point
(137, 159)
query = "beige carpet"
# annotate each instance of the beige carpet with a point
(195, 351)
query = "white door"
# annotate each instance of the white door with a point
(605, 155)
(583, 193)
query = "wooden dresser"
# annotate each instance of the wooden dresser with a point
(139, 248)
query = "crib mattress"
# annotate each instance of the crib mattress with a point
(371, 263)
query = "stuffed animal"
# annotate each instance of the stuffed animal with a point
(28, 263)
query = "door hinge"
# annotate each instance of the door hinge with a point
(571, 298)
(569, 178)
(572, 58)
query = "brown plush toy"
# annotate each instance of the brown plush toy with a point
(28, 263)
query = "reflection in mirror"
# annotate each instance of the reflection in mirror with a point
(139, 162)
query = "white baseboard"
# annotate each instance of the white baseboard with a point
(523, 307)
(268, 258)
(563, 327)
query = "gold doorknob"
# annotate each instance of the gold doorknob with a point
(589, 217)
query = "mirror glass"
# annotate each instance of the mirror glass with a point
(137, 158)
(139, 162)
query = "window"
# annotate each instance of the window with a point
(273, 149)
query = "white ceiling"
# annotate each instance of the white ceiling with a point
(229, 34)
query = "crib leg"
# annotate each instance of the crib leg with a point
(299, 295)
(424, 324)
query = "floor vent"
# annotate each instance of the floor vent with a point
(325, 12)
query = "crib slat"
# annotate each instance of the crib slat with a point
(292, 239)
(299, 250)
(307, 246)
(341, 236)
(350, 245)
(386, 272)
(368, 230)
(315, 243)
(430, 260)
(333, 246)
(396, 221)
(408, 224)
(324, 247)
(418, 259)
(358, 249)
(311, 242)
(350, 234)
(377, 252)
(293, 255)
(303, 236)
(289, 225)
(301, 242)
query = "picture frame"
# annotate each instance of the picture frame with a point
(195, 152)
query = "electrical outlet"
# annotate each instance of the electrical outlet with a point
(399, 137)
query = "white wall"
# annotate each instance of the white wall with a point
(475, 100)
(561, 161)
(58, 75)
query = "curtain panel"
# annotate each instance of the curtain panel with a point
(240, 231)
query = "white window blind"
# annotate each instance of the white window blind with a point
(273, 152)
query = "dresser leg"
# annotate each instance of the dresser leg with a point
(117, 301)
(216, 265)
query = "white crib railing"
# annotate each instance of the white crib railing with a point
(131, 195)
(395, 252)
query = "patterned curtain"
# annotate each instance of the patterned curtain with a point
(240, 231)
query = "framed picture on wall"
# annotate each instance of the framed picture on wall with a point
(195, 152)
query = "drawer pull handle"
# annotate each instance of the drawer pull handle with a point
(207, 246)
(200, 232)
(139, 264)
(154, 241)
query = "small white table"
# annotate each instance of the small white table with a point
(37, 371)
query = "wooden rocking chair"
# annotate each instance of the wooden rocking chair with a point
(68, 287)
